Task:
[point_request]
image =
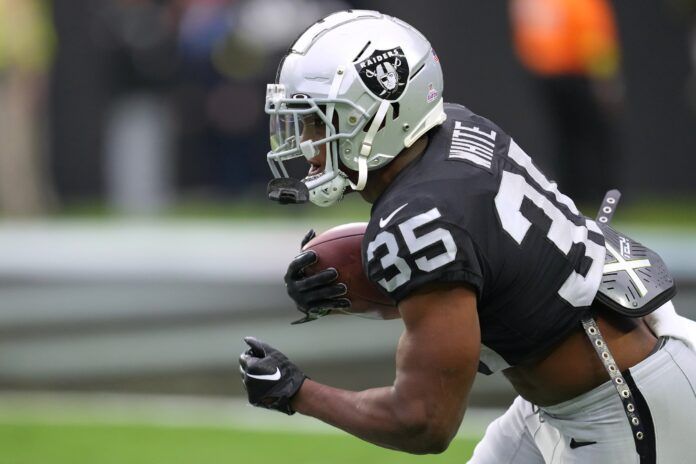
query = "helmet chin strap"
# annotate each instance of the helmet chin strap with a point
(366, 147)
(362, 175)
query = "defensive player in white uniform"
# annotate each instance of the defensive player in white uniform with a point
(492, 267)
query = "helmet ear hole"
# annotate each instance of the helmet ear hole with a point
(368, 124)
(396, 107)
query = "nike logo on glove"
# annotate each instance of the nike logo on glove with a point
(383, 222)
(274, 376)
(577, 444)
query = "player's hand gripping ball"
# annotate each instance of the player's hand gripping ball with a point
(328, 277)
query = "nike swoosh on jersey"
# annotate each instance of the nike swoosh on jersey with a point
(384, 221)
(577, 444)
(274, 376)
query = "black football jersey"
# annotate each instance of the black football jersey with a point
(474, 209)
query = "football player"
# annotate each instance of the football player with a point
(492, 267)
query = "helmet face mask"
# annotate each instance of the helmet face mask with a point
(355, 87)
(296, 124)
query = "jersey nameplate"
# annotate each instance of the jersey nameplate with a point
(470, 143)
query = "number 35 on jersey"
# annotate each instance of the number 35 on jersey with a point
(415, 244)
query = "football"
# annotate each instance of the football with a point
(340, 248)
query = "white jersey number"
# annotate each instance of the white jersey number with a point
(577, 290)
(414, 244)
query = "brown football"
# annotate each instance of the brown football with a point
(340, 248)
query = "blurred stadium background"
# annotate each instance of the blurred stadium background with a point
(136, 246)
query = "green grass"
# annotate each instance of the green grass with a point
(139, 444)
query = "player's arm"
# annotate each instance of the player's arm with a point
(437, 359)
(436, 363)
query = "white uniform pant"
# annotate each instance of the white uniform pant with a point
(526, 434)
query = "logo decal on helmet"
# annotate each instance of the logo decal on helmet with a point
(432, 93)
(385, 73)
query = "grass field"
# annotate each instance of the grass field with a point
(56, 443)
(105, 428)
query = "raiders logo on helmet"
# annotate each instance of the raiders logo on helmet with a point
(385, 73)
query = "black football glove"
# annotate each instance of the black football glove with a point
(317, 295)
(269, 377)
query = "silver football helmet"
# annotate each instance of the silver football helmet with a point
(371, 83)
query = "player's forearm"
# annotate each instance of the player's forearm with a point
(377, 415)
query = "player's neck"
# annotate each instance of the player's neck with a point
(379, 180)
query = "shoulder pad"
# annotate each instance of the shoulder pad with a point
(636, 280)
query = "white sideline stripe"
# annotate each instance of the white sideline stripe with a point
(195, 251)
(204, 250)
(177, 412)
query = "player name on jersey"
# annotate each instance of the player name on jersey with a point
(472, 144)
